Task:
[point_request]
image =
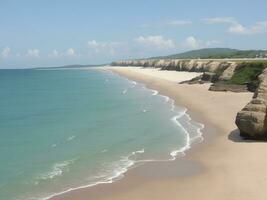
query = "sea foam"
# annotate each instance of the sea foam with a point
(119, 168)
(56, 170)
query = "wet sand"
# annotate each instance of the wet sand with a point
(223, 167)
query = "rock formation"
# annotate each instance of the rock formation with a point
(221, 87)
(193, 65)
(228, 72)
(251, 120)
(209, 77)
(218, 72)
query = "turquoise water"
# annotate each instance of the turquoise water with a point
(65, 129)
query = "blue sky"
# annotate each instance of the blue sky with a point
(36, 33)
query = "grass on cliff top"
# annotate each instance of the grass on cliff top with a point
(216, 53)
(247, 73)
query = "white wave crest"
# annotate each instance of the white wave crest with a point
(104, 150)
(119, 169)
(133, 84)
(71, 138)
(155, 92)
(57, 170)
(189, 138)
(124, 91)
(166, 98)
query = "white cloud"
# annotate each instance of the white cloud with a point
(67, 53)
(33, 53)
(94, 44)
(70, 52)
(6, 52)
(179, 22)
(192, 42)
(104, 47)
(55, 53)
(236, 27)
(156, 41)
(259, 27)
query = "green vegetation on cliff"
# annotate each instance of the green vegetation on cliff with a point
(247, 73)
(216, 53)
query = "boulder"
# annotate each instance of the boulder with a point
(195, 80)
(252, 119)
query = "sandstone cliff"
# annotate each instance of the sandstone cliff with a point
(225, 68)
(251, 120)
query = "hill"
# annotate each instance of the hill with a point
(216, 53)
(78, 66)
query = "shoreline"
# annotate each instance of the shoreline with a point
(174, 155)
(207, 164)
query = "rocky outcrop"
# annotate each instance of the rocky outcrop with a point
(209, 77)
(215, 71)
(222, 87)
(251, 120)
(194, 65)
(228, 72)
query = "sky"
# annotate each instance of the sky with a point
(47, 33)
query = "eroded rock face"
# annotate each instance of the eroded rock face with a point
(251, 120)
(193, 65)
(209, 76)
(228, 72)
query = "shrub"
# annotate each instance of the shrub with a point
(247, 73)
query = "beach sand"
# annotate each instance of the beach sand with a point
(160, 74)
(223, 167)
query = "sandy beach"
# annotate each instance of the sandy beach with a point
(159, 74)
(223, 167)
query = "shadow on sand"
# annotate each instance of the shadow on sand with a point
(235, 137)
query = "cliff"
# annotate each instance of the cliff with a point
(226, 76)
(251, 120)
(224, 69)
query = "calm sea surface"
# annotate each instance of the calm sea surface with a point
(65, 129)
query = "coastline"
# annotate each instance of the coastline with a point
(193, 138)
(209, 163)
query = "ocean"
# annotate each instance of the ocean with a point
(72, 128)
